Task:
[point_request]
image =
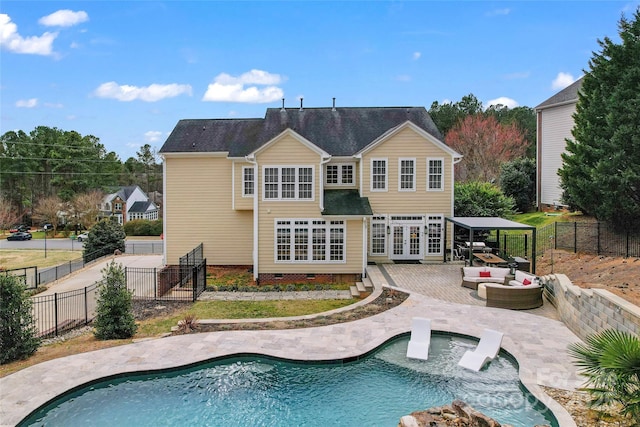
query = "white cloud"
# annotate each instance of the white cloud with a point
(27, 103)
(498, 12)
(503, 100)
(562, 80)
(152, 93)
(64, 18)
(416, 55)
(12, 41)
(227, 88)
(152, 136)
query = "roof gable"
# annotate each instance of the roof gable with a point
(288, 132)
(409, 125)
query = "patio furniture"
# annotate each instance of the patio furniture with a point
(471, 276)
(489, 258)
(513, 297)
(482, 290)
(487, 349)
(523, 279)
(418, 347)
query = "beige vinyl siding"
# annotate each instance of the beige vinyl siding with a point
(289, 151)
(557, 123)
(241, 202)
(198, 210)
(407, 144)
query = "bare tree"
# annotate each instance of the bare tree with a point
(8, 214)
(85, 208)
(48, 210)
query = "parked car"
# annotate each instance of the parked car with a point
(20, 235)
(82, 237)
(18, 228)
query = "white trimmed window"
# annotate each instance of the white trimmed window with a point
(309, 241)
(340, 174)
(288, 182)
(435, 174)
(434, 235)
(378, 235)
(248, 181)
(406, 174)
(378, 174)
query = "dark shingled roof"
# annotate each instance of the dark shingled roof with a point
(141, 207)
(345, 202)
(570, 93)
(339, 131)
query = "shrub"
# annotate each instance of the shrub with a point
(114, 312)
(18, 339)
(518, 180)
(611, 362)
(143, 227)
(104, 238)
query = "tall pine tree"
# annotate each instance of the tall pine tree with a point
(601, 171)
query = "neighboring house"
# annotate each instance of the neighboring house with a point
(311, 192)
(555, 122)
(128, 203)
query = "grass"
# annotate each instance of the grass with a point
(541, 219)
(158, 325)
(21, 258)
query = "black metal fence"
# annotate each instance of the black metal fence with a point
(57, 313)
(171, 283)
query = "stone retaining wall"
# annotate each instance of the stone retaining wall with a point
(589, 311)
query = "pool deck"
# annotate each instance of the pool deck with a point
(537, 341)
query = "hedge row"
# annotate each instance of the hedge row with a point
(143, 227)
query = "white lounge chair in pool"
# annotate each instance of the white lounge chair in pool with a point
(418, 347)
(487, 349)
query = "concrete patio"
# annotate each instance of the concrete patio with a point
(537, 341)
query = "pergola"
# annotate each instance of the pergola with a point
(491, 223)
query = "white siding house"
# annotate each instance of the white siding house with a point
(554, 122)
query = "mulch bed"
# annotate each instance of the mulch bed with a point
(388, 299)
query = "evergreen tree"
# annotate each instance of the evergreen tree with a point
(601, 171)
(518, 180)
(105, 237)
(18, 338)
(114, 312)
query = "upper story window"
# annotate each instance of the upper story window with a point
(435, 174)
(248, 181)
(407, 175)
(288, 183)
(117, 206)
(341, 174)
(378, 174)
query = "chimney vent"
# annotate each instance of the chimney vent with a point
(301, 98)
(334, 104)
(282, 104)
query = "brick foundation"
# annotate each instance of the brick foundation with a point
(286, 278)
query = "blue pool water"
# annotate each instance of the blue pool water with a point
(253, 391)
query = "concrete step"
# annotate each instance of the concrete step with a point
(360, 286)
(368, 284)
(354, 291)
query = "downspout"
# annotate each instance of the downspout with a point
(164, 211)
(364, 246)
(323, 162)
(233, 185)
(455, 161)
(256, 189)
(360, 167)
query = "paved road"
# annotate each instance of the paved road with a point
(74, 245)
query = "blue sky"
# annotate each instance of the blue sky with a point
(127, 71)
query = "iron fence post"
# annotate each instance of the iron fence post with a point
(598, 228)
(55, 308)
(194, 280)
(86, 307)
(155, 282)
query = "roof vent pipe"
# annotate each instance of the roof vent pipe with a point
(301, 103)
(334, 104)
(282, 104)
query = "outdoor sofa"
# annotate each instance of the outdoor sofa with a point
(471, 276)
(514, 297)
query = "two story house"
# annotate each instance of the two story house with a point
(309, 192)
(128, 203)
(554, 125)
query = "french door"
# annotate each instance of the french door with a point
(407, 238)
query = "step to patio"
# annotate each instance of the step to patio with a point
(368, 284)
(360, 287)
(355, 293)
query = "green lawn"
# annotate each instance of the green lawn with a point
(20, 258)
(541, 219)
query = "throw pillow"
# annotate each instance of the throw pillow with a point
(485, 274)
(526, 282)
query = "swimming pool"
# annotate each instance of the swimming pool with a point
(375, 390)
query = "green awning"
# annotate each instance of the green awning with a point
(346, 203)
